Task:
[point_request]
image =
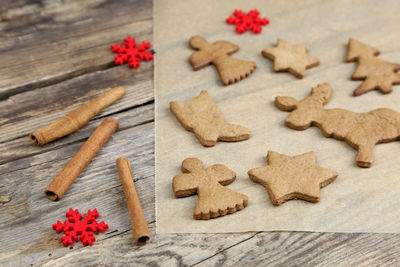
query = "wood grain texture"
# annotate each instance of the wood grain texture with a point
(52, 41)
(40, 82)
(25, 112)
(256, 249)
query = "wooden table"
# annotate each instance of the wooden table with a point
(55, 55)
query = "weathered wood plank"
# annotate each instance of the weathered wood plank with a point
(57, 100)
(54, 40)
(97, 187)
(256, 249)
(24, 184)
(165, 250)
(312, 249)
(22, 149)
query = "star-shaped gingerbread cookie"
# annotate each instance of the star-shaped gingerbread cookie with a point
(291, 58)
(296, 177)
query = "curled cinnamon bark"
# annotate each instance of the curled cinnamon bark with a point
(140, 230)
(76, 119)
(78, 163)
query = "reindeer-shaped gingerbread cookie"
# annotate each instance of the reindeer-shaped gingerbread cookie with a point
(208, 183)
(230, 69)
(362, 131)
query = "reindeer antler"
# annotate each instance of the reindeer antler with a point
(322, 92)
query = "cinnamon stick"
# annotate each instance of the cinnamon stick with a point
(78, 163)
(140, 230)
(76, 119)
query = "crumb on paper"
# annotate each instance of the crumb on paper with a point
(4, 199)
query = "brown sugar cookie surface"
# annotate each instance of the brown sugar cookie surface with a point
(296, 177)
(230, 69)
(291, 58)
(214, 200)
(376, 73)
(201, 116)
(362, 131)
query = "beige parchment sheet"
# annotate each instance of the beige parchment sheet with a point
(360, 200)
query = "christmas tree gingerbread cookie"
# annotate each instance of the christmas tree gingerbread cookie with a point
(362, 131)
(376, 73)
(214, 199)
(296, 177)
(201, 116)
(230, 69)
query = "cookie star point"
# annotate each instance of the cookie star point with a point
(291, 58)
(292, 177)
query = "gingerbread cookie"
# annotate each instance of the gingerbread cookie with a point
(214, 200)
(376, 73)
(291, 58)
(201, 116)
(296, 177)
(230, 69)
(362, 131)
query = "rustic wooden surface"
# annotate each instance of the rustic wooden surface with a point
(55, 55)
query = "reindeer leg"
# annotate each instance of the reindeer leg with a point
(365, 155)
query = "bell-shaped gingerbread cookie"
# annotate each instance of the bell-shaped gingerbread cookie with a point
(230, 69)
(201, 116)
(214, 200)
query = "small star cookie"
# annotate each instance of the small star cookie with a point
(291, 58)
(296, 177)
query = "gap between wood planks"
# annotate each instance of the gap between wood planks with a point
(79, 140)
(63, 29)
(227, 248)
(59, 78)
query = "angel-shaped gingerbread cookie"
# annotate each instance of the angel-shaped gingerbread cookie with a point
(230, 69)
(201, 116)
(214, 200)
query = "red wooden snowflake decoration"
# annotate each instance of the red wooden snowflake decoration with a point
(74, 227)
(131, 53)
(250, 21)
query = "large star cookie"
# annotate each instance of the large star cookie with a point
(291, 58)
(296, 177)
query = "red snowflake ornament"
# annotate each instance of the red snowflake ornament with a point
(131, 53)
(250, 21)
(74, 227)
